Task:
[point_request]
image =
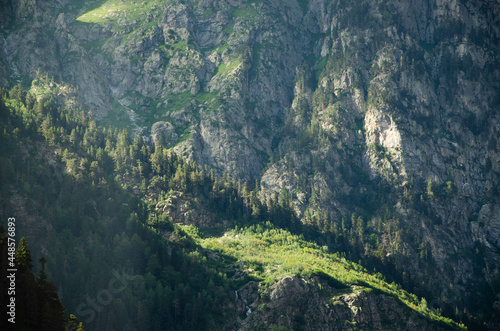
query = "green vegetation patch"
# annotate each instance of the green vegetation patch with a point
(271, 253)
(229, 29)
(178, 101)
(281, 253)
(256, 56)
(112, 10)
(226, 68)
(318, 68)
(117, 117)
(95, 44)
(245, 12)
(179, 46)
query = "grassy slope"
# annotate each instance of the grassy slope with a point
(111, 10)
(270, 253)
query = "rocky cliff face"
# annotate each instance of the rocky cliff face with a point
(299, 304)
(388, 109)
(410, 105)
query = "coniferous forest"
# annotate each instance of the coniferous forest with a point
(91, 198)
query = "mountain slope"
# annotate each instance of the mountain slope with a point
(378, 119)
(120, 262)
